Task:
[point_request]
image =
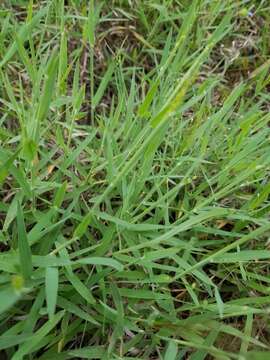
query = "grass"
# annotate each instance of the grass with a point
(134, 172)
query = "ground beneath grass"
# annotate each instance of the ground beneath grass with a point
(134, 173)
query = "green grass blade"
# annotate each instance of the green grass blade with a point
(23, 245)
(51, 289)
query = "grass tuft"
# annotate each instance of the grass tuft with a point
(134, 174)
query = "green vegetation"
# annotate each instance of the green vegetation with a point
(134, 172)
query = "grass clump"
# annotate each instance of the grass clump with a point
(134, 173)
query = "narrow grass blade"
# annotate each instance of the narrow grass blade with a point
(171, 352)
(51, 289)
(103, 85)
(23, 245)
